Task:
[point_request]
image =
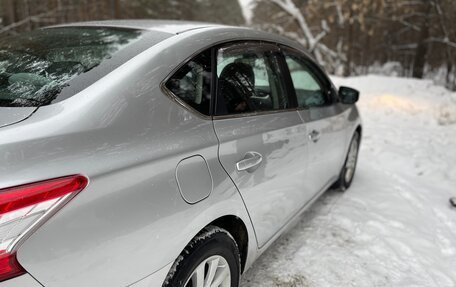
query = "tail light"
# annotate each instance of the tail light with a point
(23, 208)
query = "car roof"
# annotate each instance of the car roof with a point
(165, 26)
(174, 27)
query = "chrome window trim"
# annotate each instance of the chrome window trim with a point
(180, 102)
(257, 113)
(190, 109)
(246, 115)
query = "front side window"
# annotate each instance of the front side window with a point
(192, 83)
(249, 80)
(309, 91)
(35, 67)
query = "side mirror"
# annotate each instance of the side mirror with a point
(348, 95)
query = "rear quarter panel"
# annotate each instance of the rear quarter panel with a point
(128, 138)
(21, 281)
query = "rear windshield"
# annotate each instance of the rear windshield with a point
(36, 67)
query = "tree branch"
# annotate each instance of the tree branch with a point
(313, 43)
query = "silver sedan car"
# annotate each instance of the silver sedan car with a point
(160, 153)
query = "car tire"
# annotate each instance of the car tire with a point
(348, 170)
(208, 257)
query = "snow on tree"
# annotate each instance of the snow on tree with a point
(323, 54)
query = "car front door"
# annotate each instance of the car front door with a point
(326, 123)
(263, 144)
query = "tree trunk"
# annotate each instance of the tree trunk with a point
(348, 66)
(9, 12)
(116, 9)
(450, 68)
(422, 47)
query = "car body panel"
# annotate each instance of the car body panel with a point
(194, 179)
(292, 222)
(10, 116)
(22, 281)
(273, 192)
(154, 280)
(128, 137)
(167, 26)
(118, 222)
(327, 154)
(126, 129)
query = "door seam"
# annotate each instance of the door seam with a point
(237, 189)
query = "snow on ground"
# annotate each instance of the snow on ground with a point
(394, 226)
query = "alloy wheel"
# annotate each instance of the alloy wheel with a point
(212, 272)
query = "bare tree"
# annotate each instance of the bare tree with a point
(421, 51)
(450, 48)
(313, 41)
(346, 36)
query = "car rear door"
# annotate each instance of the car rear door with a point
(263, 141)
(326, 123)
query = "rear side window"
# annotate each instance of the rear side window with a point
(192, 83)
(35, 67)
(249, 80)
(309, 90)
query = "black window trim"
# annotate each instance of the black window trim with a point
(178, 100)
(288, 84)
(289, 87)
(252, 43)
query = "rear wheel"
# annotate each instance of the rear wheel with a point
(348, 171)
(212, 259)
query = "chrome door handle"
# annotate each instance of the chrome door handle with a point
(250, 162)
(314, 136)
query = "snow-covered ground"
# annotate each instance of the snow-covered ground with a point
(394, 226)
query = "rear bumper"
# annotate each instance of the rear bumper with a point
(21, 281)
(154, 280)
